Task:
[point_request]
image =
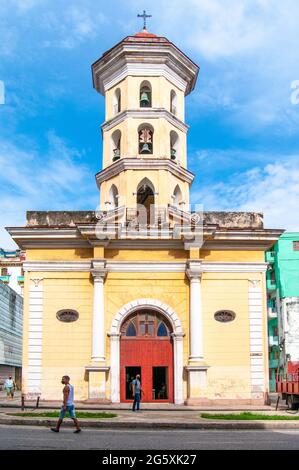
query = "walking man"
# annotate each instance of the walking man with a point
(68, 405)
(136, 392)
(10, 387)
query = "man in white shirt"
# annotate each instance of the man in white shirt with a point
(68, 405)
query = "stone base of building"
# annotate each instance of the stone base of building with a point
(225, 401)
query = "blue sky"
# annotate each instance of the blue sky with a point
(243, 141)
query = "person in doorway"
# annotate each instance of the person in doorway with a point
(136, 392)
(10, 387)
(68, 405)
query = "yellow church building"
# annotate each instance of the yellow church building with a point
(145, 284)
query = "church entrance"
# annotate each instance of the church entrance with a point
(146, 348)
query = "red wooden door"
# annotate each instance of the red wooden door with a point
(152, 357)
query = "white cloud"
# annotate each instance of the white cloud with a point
(272, 189)
(55, 180)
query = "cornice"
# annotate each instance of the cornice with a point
(137, 163)
(144, 60)
(146, 113)
(100, 268)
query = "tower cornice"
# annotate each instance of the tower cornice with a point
(143, 164)
(145, 113)
(157, 57)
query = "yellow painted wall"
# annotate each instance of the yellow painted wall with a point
(56, 254)
(236, 256)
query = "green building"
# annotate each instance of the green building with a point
(283, 303)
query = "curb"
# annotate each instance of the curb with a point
(154, 425)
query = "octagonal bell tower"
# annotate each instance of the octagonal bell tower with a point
(144, 79)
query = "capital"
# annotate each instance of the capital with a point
(98, 269)
(194, 270)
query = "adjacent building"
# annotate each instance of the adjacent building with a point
(147, 284)
(11, 269)
(11, 324)
(283, 303)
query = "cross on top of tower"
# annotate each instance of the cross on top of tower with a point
(144, 16)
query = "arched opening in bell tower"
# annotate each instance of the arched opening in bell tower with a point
(145, 139)
(174, 146)
(117, 101)
(146, 202)
(145, 96)
(115, 145)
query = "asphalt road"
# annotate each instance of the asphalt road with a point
(25, 437)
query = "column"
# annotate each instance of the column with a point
(195, 317)
(196, 368)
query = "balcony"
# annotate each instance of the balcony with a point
(273, 341)
(5, 279)
(273, 363)
(270, 256)
(271, 285)
(272, 313)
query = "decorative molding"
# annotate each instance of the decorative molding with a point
(145, 113)
(140, 266)
(138, 163)
(141, 59)
(97, 368)
(232, 267)
(62, 266)
(138, 304)
(194, 267)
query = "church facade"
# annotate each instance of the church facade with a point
(145, 284)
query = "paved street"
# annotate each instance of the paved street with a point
(24, 438)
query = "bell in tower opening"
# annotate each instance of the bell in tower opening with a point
(146, 140)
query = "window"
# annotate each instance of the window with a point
(162, 330)
(177, 196)
(145, 98)
(117, 101)
(173, 102)
(146, 324)
(131, 330)
(296, 246)
(113, 197)
(115, 145)
(224, 316)
(174, 145)
(4, 272)
(145, 139)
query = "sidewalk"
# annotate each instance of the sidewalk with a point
(166, 417)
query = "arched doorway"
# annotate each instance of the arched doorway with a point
(146, 347)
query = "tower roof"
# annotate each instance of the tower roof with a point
(144, 53)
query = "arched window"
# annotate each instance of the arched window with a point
(146, 323)
(162, 330)
(145, 139)
(115, 145)
(131, 330)
(177, 196)
(174, 146)
(117, 101)
(146, 198)
(173, 102)
(145, 95)
(113, 197)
